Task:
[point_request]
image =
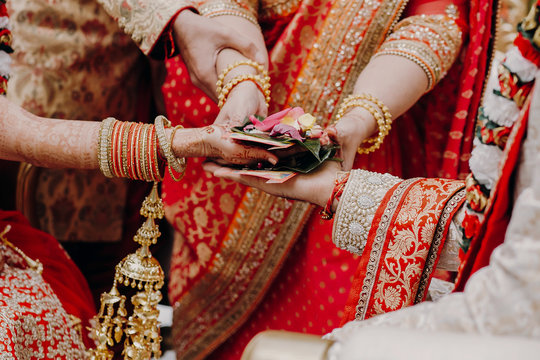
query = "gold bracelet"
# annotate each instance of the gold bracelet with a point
(262, 83)
(183, 160)
(221, 78)
(227, 8)
(384, 120)
(142, 158)
(124, 159)
(104, 146)
(179, 165)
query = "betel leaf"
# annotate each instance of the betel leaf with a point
(306, 162)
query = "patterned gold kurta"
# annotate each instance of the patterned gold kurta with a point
(84, 60)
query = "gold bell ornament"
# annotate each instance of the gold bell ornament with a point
(139, 332)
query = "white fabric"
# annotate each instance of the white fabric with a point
(484, 163)
(371, 344)
(502, 298)
(5, 64)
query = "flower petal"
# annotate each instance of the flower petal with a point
(296, 112)
(282, 129)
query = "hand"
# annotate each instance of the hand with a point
(218, 144)
(200, 40)
(349, 132)
(244, 100)
(315, 187)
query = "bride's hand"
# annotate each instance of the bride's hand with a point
(244, 100)
(315, 187)
(215, 142)
(349, 132)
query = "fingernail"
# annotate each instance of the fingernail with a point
(272, 161)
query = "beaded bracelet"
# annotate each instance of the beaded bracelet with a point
(227, 8)
(262, 84)
(227, 70)
(104, 145)
(179, 165)
(382, 116)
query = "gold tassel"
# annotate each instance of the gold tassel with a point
(141, 271)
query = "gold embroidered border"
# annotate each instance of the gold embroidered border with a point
(204, 318)
(431, 259)
(214, 310)
(346, 28)
(278, 8)
(378, 244)
(256, 289)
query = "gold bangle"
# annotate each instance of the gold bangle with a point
(104, 146)
(227, 8)
(165, 145)
(259, 67)
(182, 160)
(384, 120)
(125, 139)
(142, 158)
(262, 83)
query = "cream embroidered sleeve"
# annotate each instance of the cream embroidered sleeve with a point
(362, 196)
(144, 20)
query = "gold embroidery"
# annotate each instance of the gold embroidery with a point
(431, 259)
(351, 27)
(374, 258)
(278, 8)
(408, 242)
(258, 238)
(40, 331)
(143, 20)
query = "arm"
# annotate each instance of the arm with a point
(244, 99)
(164, 28)
(501, 298)
(392, 66)
(74, 144)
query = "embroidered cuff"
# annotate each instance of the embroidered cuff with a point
(212, 9)
(431, 41)
(356, 209)
(147, 22)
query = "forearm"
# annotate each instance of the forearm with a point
(46, 142)
(418, 53)
(384, 78)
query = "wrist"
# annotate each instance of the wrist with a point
(364, 121)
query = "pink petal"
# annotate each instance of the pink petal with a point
(271, 121)
(279, 115)
(282, 129)
(296, 112)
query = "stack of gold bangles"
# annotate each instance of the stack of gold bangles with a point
(380, 112)
(130, 150)
(262, 81)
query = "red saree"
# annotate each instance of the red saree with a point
(42, 314)
(240, 254)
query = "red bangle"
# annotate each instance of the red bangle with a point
(337, 191)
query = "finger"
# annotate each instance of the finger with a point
(255, 153)
(211, 167)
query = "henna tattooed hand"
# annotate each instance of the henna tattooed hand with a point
(218, 144)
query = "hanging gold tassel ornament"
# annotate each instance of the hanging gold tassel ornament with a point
(141, 271)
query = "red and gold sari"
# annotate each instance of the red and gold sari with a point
(244, 261)
(44, 314)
